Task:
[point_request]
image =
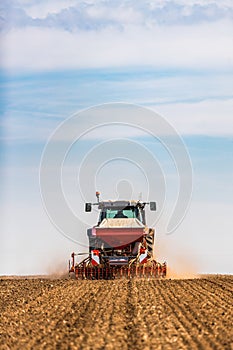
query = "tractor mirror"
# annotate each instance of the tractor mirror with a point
(153, 206)
(87, 207)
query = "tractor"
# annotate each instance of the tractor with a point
(121, 245)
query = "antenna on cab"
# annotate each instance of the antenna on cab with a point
(97, 196)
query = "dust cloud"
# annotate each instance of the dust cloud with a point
(59, 270)
(181, 260)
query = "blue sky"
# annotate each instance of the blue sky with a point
(174, 57)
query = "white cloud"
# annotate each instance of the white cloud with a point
(73, 15)
(204, 118)
(41, 9)
(222, 3)
(210, 117)
(121, 14)
(199, 46)
(191, 3)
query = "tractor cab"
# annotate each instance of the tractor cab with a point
(121, 210)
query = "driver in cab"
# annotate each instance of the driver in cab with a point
(120, 215)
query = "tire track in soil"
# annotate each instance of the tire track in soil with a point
(222, 285)
(160, 325)
(222, 312)
(211, 291)
(102, 329)
(83, 319)
(45, 311)
(208, 296)
(221, 279)
(21, 303)
(136, 327)
(202, 334)
(67, 329)
(95, 326)
(186, 319)
(115, 335)
(172, 322)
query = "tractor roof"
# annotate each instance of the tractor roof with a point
(120, 204)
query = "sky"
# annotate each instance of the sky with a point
(61, 58)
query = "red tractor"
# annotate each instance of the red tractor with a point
(120, 245)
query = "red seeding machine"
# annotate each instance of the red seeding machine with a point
(120, 245)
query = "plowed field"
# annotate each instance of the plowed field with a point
(118, 314)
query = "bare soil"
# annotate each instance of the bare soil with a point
(119, 314)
